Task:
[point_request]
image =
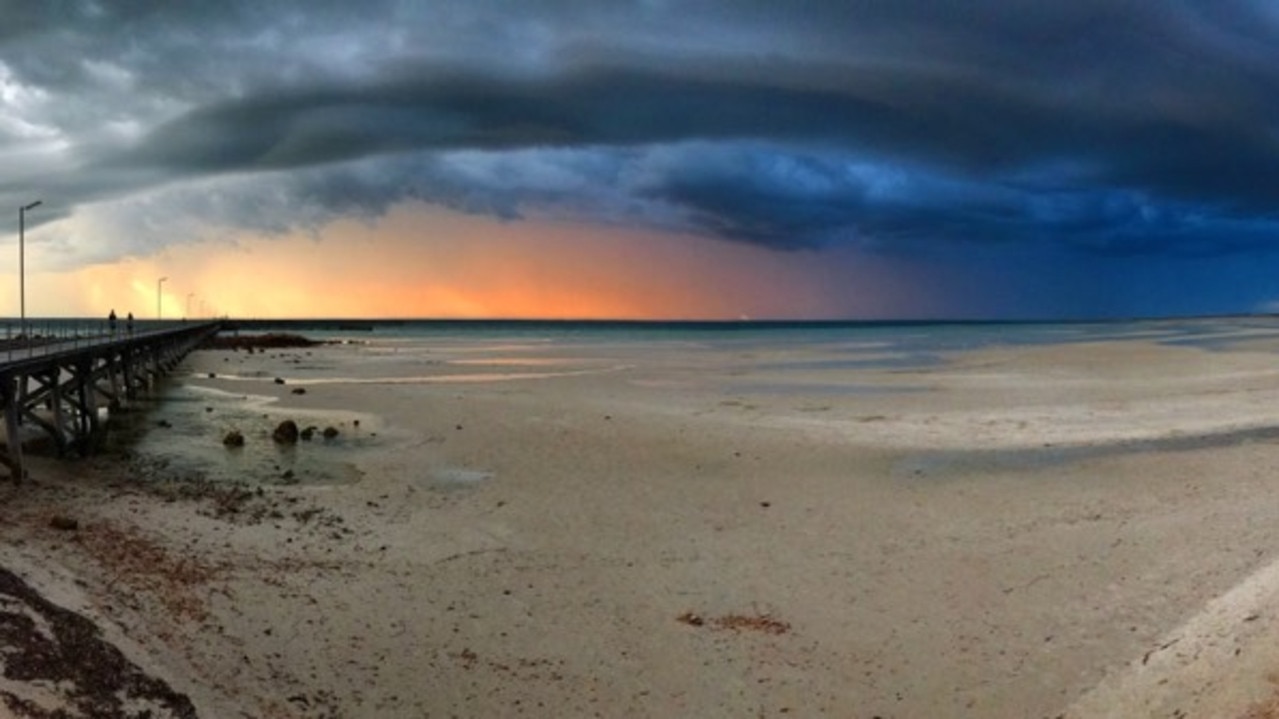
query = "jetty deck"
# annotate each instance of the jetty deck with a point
(57, 386)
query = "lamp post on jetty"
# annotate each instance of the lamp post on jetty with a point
(158, 307)
(189, 296)
(22, 264)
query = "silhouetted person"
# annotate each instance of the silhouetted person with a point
(111, 322)
(129, 323)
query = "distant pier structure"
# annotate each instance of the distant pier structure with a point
(57, 386)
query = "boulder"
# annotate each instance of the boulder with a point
(286, 432)
(330, 432)
(233, 439)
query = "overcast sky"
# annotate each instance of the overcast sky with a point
(1082, 158)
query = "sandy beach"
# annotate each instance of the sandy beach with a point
(678, 529)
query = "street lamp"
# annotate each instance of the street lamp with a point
(189, 296)
(158, 284)
(22, 262)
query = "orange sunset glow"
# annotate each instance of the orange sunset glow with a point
(420, 261)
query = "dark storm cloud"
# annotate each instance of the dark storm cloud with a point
(788, 199)
(917, 117)
(1112, 127)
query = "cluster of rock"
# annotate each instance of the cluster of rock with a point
(272, 340)
(286, 432)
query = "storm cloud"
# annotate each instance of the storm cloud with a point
(1110, 128)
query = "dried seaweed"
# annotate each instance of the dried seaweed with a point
(42, 642)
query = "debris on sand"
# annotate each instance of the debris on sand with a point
(65, 654)
(63, 523)
(766, 623)
(692, 619)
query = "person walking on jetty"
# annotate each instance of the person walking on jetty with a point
(129, 324)
(111, 322)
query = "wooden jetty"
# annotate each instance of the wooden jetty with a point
(59, 386)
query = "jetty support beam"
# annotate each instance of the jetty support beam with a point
(12, 407)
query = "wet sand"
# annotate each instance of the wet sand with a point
(672, 529)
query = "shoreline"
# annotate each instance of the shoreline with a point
(648, 542)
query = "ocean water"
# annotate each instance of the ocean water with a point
(177, 433)
(921, 339)
(892, 344)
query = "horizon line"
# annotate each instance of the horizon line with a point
(668, 321)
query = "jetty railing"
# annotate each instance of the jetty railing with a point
(53, 382)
